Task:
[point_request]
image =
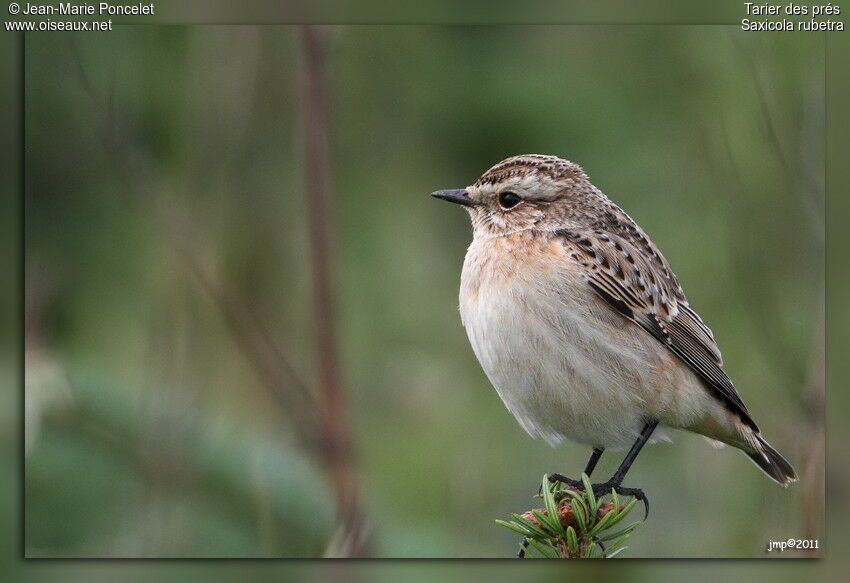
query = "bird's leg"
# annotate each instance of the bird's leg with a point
(588, 469)
(594, 459)
(614, 483)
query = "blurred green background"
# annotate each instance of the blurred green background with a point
(168, 250)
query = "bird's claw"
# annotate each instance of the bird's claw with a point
(602, 490)
(637, 493)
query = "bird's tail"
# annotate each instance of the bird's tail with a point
(771, 462)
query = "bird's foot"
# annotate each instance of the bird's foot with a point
(604, 489)
(637, 493)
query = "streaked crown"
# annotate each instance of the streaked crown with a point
(538, 166)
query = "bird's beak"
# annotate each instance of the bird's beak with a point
(457, 196)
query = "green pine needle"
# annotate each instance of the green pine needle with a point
(574, 524)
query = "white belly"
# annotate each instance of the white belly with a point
(565, 364)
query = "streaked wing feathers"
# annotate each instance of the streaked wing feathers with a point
(632, 276)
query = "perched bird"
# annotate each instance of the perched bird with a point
(581, 325)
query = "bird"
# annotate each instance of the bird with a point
(583, 329)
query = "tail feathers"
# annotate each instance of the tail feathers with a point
(771, 462)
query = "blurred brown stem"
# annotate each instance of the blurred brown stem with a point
(267, 359)
(269, 362)
(336, 436)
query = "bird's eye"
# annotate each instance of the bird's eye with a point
(508, 200)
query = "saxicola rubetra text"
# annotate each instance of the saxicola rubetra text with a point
(581, 325)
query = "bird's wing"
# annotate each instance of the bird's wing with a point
(626, 270)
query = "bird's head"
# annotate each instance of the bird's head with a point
(531, 191)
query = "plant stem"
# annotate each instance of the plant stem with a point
(337, 441)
